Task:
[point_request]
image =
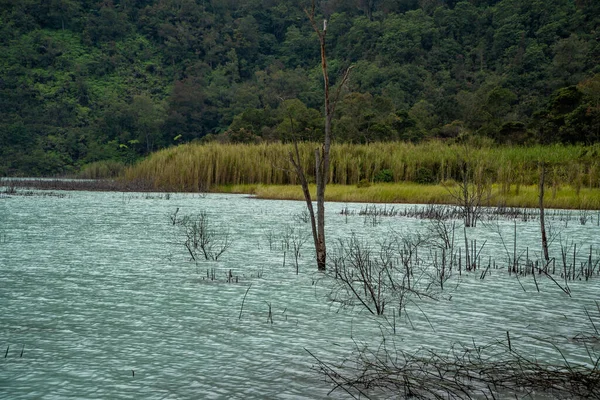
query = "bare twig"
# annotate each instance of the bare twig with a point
(243, 300)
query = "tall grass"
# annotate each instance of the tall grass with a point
(194, 167)
(101, 170)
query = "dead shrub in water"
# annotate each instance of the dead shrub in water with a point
(442, 236)
(202, 239)
(375, 277)
(293, 239)
(464, 372)
(470, 193)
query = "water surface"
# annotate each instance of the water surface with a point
(102, 299)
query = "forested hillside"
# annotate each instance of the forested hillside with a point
(84, 81)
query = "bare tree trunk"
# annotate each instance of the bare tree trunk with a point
(322, 159)
(542, 217)
(295, 160)
(321, 179)
(322, 154)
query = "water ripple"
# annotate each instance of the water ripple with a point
(103, 300)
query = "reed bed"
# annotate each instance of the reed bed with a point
(193, 167)
(108, 169)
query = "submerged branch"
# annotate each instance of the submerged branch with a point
(462, 373)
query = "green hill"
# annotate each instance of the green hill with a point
(86, 81)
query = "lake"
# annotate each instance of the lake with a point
(99, 297)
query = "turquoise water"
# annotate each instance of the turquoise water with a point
(102, 299)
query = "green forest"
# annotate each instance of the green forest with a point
(114, 80)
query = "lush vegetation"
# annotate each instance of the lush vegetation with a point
(194, 167)
(87, 81)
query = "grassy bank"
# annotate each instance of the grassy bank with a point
(381, 172)
(193, 167)
(564, 197)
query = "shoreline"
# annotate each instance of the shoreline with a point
(525, 196)
(412, 193)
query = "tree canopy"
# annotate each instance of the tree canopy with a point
(83, 81)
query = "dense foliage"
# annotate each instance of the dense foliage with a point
(199, 167)
(85, 81)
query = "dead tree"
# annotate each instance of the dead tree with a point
(322, 154)
(471, 189)
(542, 216)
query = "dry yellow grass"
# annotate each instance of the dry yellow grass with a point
(409, 193)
